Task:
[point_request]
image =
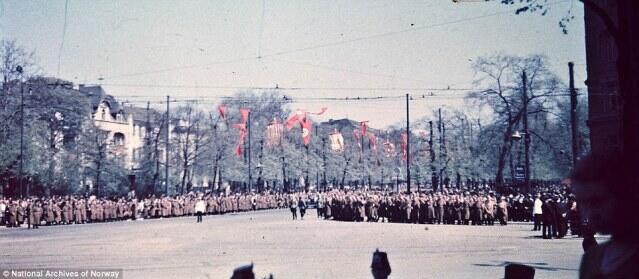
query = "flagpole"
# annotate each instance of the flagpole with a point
(407, 145)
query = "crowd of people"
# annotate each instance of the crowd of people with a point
(65, 210)
(552, 209)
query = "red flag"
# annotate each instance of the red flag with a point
(404, 145)
(373, 141)
(322, 111)
(362, 125)
(298, 117)
(306, 131)
(245, 113)
(290, 123)
(222, 110)
(242, 128)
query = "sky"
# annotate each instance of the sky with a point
(142, 51)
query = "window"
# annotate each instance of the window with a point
(118, 139)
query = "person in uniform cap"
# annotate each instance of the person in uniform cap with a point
(243, 272)
(380, 267)
(519, 271)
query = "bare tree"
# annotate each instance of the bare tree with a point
(499, 87)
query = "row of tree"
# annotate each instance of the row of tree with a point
(64, 152)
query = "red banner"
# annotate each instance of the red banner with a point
(404, 146)
(362, 126)
(245, 114)
(222, 110)
(322, 111)
(306, 131)
(242, 128)
(373, 141)
(305, 123)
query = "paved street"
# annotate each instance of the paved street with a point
(180, 248)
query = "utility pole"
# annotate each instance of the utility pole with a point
(573, 114)
(434, 179)
(284, 186)
(22, 132)
(439, 128)
(250, 177)
(324, 167)
(407, 144)
(442, 157)
(166, 151)
(526, 133)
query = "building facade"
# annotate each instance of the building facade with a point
(604, 108)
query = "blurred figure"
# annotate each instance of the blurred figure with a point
(502, 211)
(537, 212)
(243, 272)
(519, 271)
(293, 206)
(200, 208)
(548, 219)
(302, 205)
(607, 191)
(380, 267)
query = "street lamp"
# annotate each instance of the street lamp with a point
(518, 136)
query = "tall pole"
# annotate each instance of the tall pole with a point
(573, 114)
(166, 150)
(526, 133)
(324, 167)
(250, 177)
(433, 177)
(407, 144)
(284, 174)
(22, 139)
(441, 150)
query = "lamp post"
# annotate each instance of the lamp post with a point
(517, 136)
(21, 175)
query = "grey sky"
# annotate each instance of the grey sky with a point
(210, 48)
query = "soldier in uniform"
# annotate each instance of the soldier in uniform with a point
(12, 212)
(77, 212)
(37, 214)
(502, 211)
(21, 214)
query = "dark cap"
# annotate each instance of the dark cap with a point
(380, 262)
(243, 272)
(519, 271)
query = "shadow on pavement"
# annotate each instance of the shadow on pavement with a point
(538, 266)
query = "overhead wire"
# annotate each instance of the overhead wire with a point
(319, 46)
